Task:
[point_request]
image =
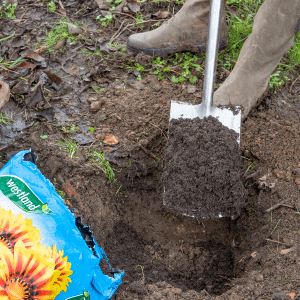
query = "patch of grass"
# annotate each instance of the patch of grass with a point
(139, 18)
(69, 145)
(98, 160)
(9, 64)
(58, 33)
(52, 6)
(240, 24)
(9, 10)
(105, 20)
(62, 194)
(5, 119)
(97, 89)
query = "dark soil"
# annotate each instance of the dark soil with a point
(182, 257)
(202, 169)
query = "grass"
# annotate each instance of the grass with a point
(98, 160)
(4, 119)
(58, 33)
(9, 10)
(69, 145)
(240, 26)
(275, 226)
(105, 20)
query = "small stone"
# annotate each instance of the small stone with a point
(284, 296)
(191, 89)
(253, 254)
(125, 9)
(96, 105)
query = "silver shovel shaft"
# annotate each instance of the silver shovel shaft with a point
(215, 19)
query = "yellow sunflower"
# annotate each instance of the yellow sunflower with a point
(26, 274)
(14, 228)
(62, 266)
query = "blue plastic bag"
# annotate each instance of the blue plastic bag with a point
(43, 255)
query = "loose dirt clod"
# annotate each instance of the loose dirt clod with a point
(202, 176)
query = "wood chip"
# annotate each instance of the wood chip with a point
(286, 251)
(110, 140)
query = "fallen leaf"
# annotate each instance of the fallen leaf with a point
(102, 4)
(33, 55)
(59, 44)
(53, 77)
(62, 9)
(162, 14)
(23, 65)
(74, 29)
(41, 50)
(121, 5)
(286, 251)
(110, 140)
(134, 5)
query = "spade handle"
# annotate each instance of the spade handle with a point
(215, 19)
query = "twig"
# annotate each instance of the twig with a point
(123, 30)
(150, 21)
(113, 37)
(277, 206)
(3, 148)
(278, 242)
(146, 151)
(293, 84)
(159, 129)
(116, 12)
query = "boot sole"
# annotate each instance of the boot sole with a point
(198, 48)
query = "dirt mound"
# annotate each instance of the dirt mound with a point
(202, 173)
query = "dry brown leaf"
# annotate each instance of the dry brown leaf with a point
(162, 14)
(62, 9)
(102, 4)
(59, 44)
(134, 5)
(110, 140)
(74, 29)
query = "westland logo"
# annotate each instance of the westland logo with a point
(21, 195)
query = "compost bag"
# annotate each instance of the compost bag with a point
(45, 253)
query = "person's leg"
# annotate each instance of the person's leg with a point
(186, 31)
(272, 36)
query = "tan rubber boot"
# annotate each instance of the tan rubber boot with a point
(272, 36)
(4, 93)
(186, 31)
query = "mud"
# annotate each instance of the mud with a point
(202, 173)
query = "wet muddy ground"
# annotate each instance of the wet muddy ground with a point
(164, 255)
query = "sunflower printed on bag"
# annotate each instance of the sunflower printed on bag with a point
(43, 255)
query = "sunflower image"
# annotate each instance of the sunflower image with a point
(26, 274)
(14, 228)
(62, 266)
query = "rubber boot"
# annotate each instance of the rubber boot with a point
(186, 31)
(272, 36)
(4, 93)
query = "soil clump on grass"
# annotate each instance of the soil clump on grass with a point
(202, 173)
